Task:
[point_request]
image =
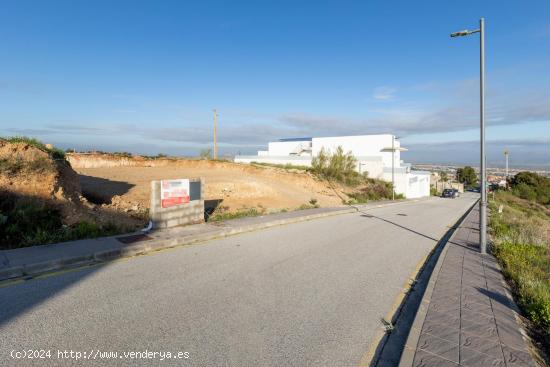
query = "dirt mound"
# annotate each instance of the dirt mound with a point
(108, 178)
(30, 172)
(27, 170)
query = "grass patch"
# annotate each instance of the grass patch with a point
(55, 153)
(521, 235)
(287, 166)
(222, 213)
(26, 223)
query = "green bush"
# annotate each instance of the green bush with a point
(525, 191)
(528, 268)
(53, 152)
(340, 167)
(27, 222)
(521, 237)
(531, 186)
(373, 190)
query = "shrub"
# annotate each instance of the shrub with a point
(339, 167)
(527, 267)
(373, 190)
(25, 222)
(525, 191)
(531, 186)
(55, 153)
(521, 236)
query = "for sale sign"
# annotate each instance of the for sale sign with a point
(174, 192)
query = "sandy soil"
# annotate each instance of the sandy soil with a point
(237, 185)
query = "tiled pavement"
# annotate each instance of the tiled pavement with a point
(471, 318)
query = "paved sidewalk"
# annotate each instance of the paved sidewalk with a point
(467, 316)
(36, 260)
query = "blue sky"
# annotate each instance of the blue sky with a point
(144, 76)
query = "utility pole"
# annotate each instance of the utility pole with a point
(215, 134)
(482, 163)
(506, 153)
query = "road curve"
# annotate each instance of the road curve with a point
(305, 294)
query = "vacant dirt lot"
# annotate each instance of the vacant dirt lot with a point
(126, 182)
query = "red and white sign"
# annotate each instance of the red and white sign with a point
(174, 192)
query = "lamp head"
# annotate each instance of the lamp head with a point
(460, 33)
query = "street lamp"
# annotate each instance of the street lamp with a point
(483, 172)
(506, 154)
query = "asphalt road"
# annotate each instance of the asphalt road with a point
(305, 294)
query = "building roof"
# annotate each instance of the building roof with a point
(295, 139)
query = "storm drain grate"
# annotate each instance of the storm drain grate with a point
(134, 238)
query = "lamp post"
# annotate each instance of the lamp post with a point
(506, 153)
(483, 172)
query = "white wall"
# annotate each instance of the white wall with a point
(368, 149)
(282, 148)
(294, 160)
(415, 184)
(361, 145)
(375, 168)
(418, 185)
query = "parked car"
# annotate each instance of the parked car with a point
(457, 193)
(449, 193)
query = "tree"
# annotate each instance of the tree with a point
(466, 175)
(443, 175)
(531, 186)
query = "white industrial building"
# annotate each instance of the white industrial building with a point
(374, 154)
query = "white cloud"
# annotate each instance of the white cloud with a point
(383, 93)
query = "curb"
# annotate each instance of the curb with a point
(32, 270)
